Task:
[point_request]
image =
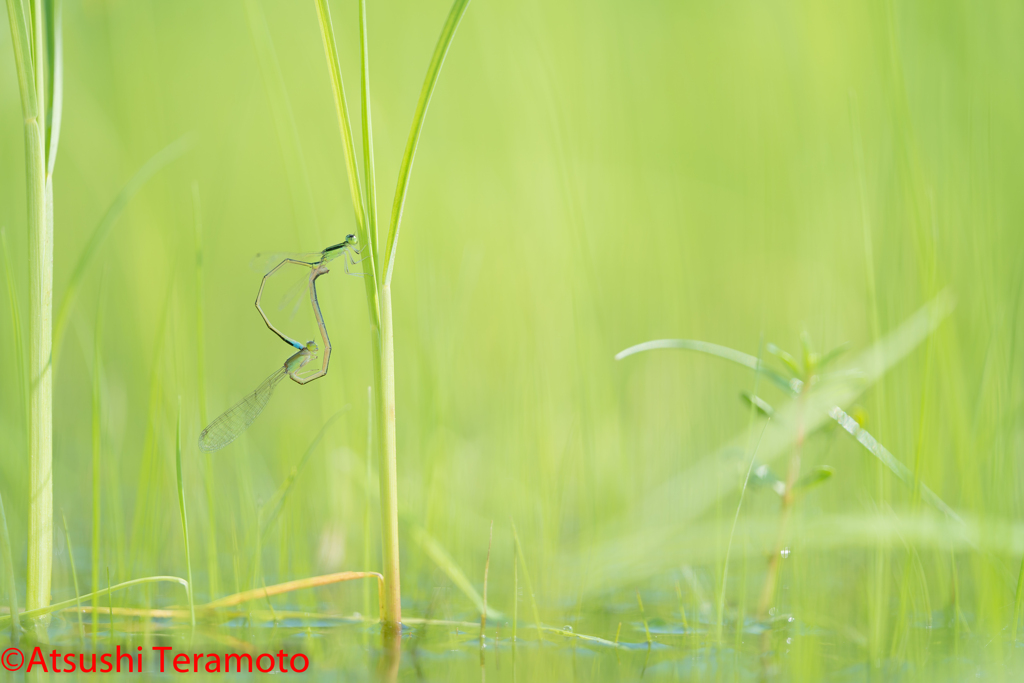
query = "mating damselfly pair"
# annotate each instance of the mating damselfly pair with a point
(238, 417)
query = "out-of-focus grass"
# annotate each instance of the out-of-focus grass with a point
(592, 175)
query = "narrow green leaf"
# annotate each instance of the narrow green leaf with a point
(436, 552)
(787, 360)
(368, 169)
(436, 62)
(724, 352)
(529, 583)
(818, 475)
(23, 60)
(49, 609)
(74, 577)
(758, 403)
(57, 85)
(341, 104)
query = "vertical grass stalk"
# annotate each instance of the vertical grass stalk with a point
(212, 567)
(39, 82)
(378, 290)
(97, 445)
(74, 577)
(184, 517)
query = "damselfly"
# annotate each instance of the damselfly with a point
(238, 417)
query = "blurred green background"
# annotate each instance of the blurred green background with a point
(591, 175)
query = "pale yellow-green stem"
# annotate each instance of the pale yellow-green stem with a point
(389, 466)
(40, 241)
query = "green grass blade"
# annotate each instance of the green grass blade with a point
(529, 583)
(724, 352)
(57, 85)
(444, 41)
(23, 60)
(31, 614)
(157, 162)
(212, 565)
(184, 517)
(74, 577)
(341, 104)
(368, 169)
(6, 557)
(97, 452)
(436, 552)
(870, 366)
(872, 363)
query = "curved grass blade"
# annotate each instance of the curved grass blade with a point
(238, 417)
(157, 162)
(444, 41)
(57, 606)
(875, 362)
(818, 404)
(724, 352)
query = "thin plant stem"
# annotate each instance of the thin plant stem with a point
(487, 567)
(529, 584)
(732, 531)
(388, 470)
(212, 565)
(366, 491)
(184, 517)
(743, 491)
(74, 577)
(643, 617)
(40, 375)
(97, 446)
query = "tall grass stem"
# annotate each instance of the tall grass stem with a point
(184, 517)
(74, 577)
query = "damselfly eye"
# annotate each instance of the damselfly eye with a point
(351, 239)
(311, 346)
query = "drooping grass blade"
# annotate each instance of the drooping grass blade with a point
(238, 417)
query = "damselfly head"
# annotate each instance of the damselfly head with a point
(351, 239)
(311, 346)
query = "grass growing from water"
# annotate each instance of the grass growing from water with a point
(377, 284)
(592, 175)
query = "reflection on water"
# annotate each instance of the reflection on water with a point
(782, 648)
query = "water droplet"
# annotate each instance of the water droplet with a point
(785, 553)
